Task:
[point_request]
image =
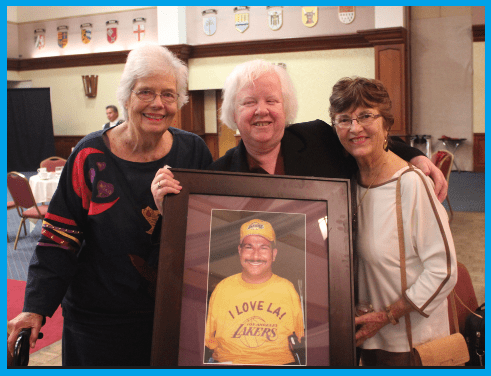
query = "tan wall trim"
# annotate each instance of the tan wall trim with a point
(105, 58)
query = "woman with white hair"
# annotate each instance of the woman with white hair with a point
(96, 256)
(259, 100)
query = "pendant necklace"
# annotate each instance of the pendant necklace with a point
(373, 181)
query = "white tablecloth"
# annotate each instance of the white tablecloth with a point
(43, 190)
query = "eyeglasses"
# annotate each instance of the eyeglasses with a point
(149, 96)
(345, 122)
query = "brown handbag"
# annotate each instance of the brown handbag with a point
(447, 351)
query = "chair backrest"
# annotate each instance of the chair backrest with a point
(464, 289)
(52, 162)
(443, 159)
(20, 190)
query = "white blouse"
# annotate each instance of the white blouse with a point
(431, 263)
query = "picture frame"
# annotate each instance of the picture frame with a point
(198, 247)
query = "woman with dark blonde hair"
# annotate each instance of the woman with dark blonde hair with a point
(361, 114)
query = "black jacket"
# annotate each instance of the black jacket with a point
(309, 149)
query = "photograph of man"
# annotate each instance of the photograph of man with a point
(254, 317)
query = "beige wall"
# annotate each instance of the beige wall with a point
(73, 112)
(439, 11)
(478, 87)
(313, 74)
(36, 13)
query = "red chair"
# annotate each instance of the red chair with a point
(21, 192)
(52, 162)
(443, 159)
(464, 289)
(11, 205)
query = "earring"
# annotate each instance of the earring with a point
(386, 145)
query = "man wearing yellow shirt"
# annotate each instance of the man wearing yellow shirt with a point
(252, 314)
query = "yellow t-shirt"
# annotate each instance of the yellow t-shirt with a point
(250, 323)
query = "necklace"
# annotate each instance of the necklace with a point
(373, 181)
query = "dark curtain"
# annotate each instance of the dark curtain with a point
(30, 137)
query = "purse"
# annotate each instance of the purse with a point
(474, 336)
(447, 351)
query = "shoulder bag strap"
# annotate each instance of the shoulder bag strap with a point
(402, 255)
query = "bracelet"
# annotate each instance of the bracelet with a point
(391, 317)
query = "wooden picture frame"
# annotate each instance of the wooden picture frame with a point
(309, 214)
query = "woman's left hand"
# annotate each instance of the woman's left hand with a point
(370, 323)
(162, 184)
(429, 169)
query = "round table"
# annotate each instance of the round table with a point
(43, 189)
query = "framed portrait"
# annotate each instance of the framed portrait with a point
(255, 270)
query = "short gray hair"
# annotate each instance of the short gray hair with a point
(146, 60)
(244, 74)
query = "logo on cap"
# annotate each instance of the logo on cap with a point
(257, 227)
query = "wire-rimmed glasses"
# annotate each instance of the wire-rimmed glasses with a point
(150, 95)
(345, 122)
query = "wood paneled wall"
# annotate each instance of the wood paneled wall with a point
(479, 148)
(64, 145)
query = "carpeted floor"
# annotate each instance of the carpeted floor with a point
(466, 191)
(53, 328)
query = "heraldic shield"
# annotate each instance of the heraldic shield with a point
(86, 31)
(275, 19)
(209, 21)
(346, 14)
(241, 21)
(62, 39)
(112, 30)
(310, 15)
(209, 24)
(112, 34)
(86, 35)
(139, 32)
(139, 28)
(39, 38)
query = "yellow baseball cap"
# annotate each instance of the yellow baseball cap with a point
(257, 227)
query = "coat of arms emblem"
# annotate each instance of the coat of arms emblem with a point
(310, 15)
(39, 38)
(275, 18)
(86, 31)
(346, 14)
(139, 28)
(62, 36)
(112, 30)
(209, 21)
(241, 19)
